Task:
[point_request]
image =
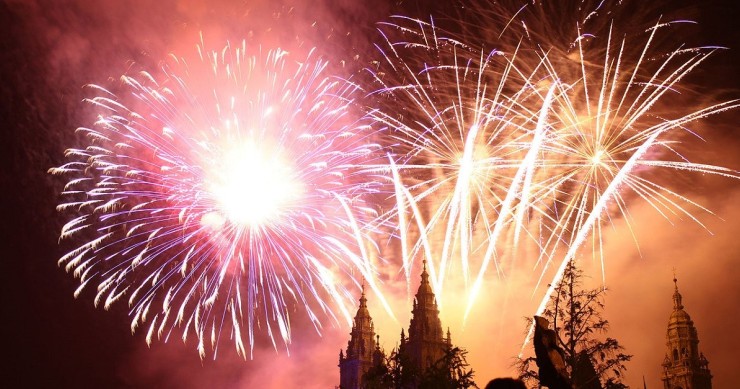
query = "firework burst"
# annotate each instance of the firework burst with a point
(466, 143)
(512, 131)
(220, 195)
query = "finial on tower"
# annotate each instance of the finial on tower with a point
(424, 274)
(677, 304)
(363, 300)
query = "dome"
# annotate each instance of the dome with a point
(679, 316)
(424, 287)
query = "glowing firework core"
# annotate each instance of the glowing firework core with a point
(252, 185)
(597, 158)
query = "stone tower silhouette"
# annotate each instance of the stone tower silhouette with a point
(423, 347)
(684, 366)
(362, 349)
(425, 344)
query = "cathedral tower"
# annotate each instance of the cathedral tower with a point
(425, 344)
(362, 350)
(684, 366)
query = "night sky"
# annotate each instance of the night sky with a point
(50, 49)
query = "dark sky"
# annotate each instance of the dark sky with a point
(50, 49)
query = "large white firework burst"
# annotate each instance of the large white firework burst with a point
(219, 194)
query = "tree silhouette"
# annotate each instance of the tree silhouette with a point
(396, 372)
(593, 360)
(449, 372)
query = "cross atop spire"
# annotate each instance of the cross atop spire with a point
(677, 304)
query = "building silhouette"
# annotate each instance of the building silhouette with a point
(363, 349)
(424, 346)
(684, 366)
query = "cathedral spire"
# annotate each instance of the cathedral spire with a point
(420, 348)
(426, 343)
(362, 349)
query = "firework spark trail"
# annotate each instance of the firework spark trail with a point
(462, 123)
(612, 191)
(514, 134)
(467, 133)
(523, 174)
(601, 160)
(219, 195)
(602, 127)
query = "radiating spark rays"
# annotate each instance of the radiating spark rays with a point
(513, 131)
(158, 192)
(458, 127)
(565, 174)
(507, 207)
(590, 223)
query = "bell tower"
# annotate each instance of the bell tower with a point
(426, 343)
(684, 366)
(362, 350)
